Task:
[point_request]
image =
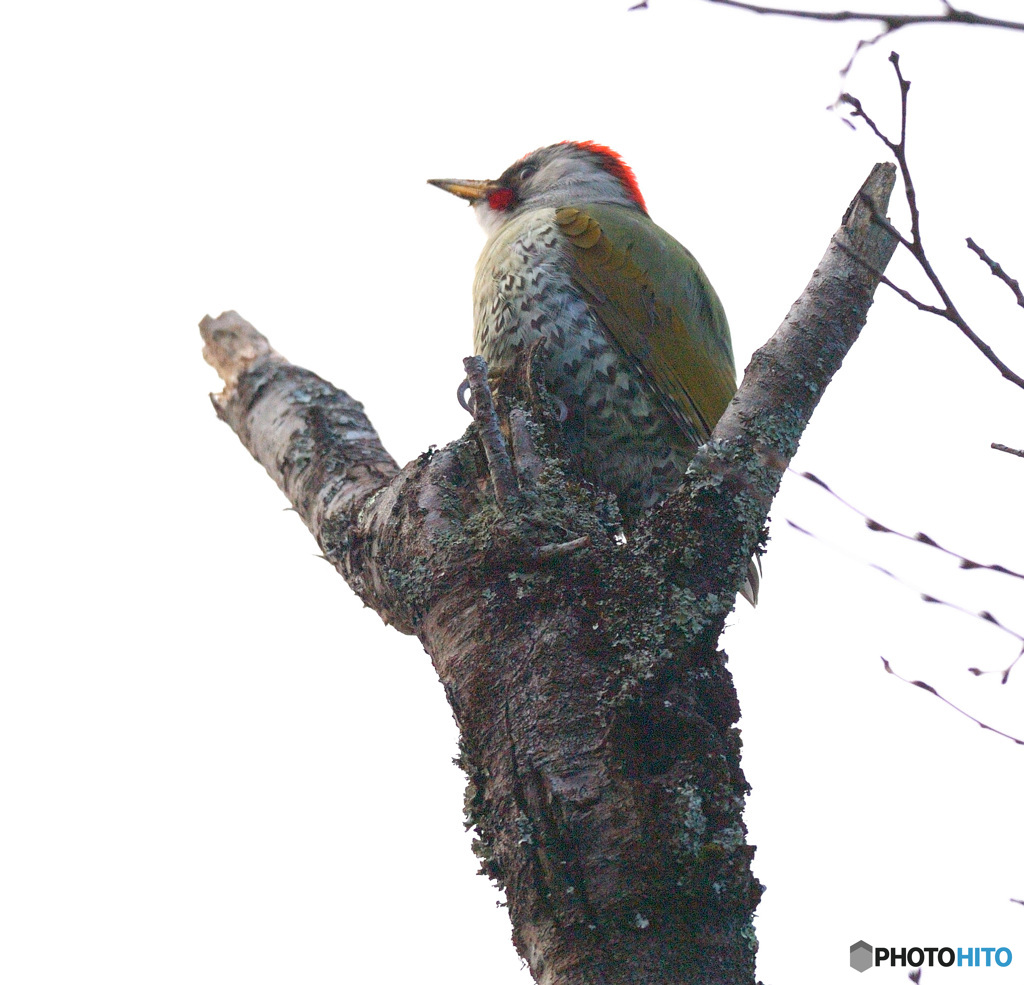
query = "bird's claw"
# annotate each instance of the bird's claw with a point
(465, 402)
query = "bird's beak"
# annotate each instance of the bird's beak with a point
(469, 188)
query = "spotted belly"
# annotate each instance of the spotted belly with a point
(616, 429)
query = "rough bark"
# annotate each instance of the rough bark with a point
(597, 715)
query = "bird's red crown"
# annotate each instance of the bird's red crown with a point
(614, 165)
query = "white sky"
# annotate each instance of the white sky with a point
(216, 766)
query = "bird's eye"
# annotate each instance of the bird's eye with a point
(528, 172)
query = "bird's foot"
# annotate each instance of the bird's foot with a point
(465, 397)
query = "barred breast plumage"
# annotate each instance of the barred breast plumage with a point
(615, 426)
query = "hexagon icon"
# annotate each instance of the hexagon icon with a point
(860, 956)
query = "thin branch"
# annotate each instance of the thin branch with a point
(1004, 674)
(918, 538)
(997, 271)
(503, 476)
(982, 616)
(957, 708)
(891, 22)
(884, 222)
(1010, 451)
(930, 309)
(922, 538)
(915, 243)
(548, 552)
(529, 463)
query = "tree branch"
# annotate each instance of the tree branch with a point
(997, 271)
(927, 687)
(596, 714)
(892, 22)
(314, 440)
(915, 244)
(758, 435)
(503, 478)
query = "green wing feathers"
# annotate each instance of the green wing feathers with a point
(657, 305)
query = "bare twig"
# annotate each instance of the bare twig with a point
(931, 690)
(892, 22)
(529, 463)
(1004, 674)
(550, 552)
(914, 242)
(918, 538)
(997, 271)
(506, 489)
(982, 616)
(1009, 451)
(923, 538)
(907, 296)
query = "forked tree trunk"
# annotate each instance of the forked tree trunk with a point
(596, 713)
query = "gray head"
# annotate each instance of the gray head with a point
(569, 173)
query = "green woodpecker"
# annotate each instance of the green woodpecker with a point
(637, 344)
